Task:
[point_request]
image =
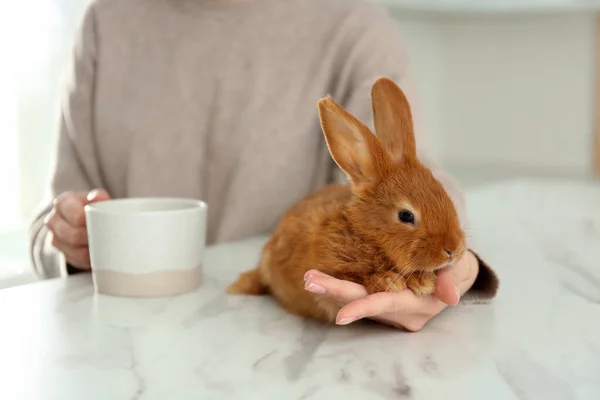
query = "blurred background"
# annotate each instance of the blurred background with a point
(508, 88)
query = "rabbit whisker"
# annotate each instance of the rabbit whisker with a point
(387, 289)
(380, 277)
(398, 278)
(409, 275)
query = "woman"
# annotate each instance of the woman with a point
(217, 100)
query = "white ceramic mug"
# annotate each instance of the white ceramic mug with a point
(146, 247)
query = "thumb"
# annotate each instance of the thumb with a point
(445, 288)
(97, 195)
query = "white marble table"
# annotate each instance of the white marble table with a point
(539, 339)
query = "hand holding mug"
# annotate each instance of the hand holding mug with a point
(67, 224)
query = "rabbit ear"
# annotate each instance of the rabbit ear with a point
(393, 119)
(352, 145)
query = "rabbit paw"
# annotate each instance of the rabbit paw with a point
(385, 282)
(422, 283)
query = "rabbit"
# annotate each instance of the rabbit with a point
(391, 228)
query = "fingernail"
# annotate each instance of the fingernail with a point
(346, 321)
(457, 295)
(315, 288)
(91, 195)
(95, 194)
(307, 276)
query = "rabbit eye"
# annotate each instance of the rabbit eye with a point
(407, 217)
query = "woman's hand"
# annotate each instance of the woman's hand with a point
(66, 222)
(404, 309)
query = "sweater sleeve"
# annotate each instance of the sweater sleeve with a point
(374, 48)
(74, 166)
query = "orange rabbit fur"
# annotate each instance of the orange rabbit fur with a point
(391, 228)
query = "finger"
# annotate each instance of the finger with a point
(98, 195)
(338, 290)
(79, 257)
(313, 272)
(71, 206)
(462, 272)
(375, 305)
(76, 256)
(71, 236)
(445, 289)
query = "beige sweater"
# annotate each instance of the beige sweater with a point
(216, 100)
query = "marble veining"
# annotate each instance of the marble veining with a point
(539, 339)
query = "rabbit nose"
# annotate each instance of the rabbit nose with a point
(448, 252)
